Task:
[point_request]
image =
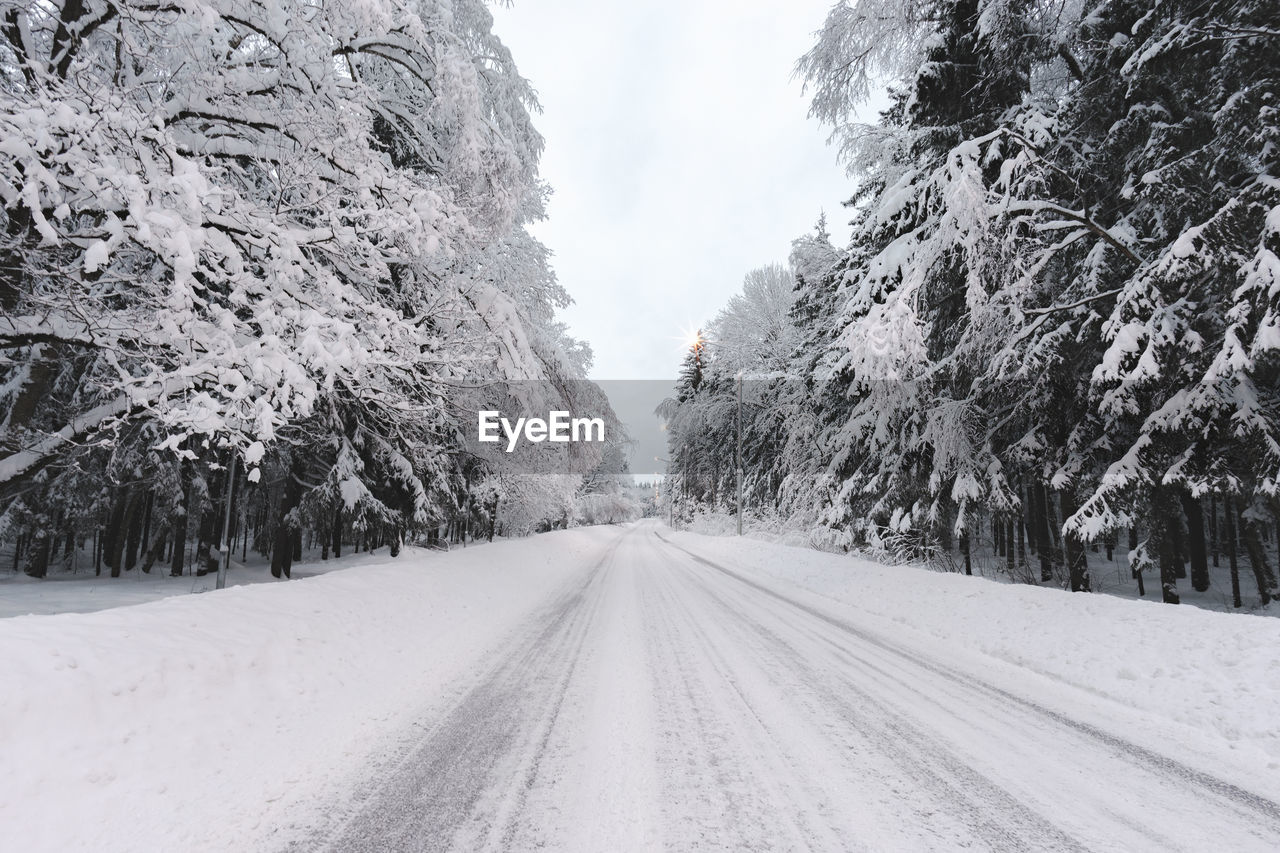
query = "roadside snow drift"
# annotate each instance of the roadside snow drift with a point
(1215, 675)
(200, 722)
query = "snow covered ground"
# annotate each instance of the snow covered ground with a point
(631, 688)
(85, 592)
(200, 722)
(1108, 576)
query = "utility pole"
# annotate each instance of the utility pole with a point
(225, 563)
(739, 452)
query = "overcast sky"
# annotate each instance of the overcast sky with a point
(680, 154)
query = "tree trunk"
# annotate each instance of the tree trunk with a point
(1008, 546)
(1195, 541)
(1228, 511)
(282, 552)
(38, 556)
(117, 532)
(1029, 520)
(211, 520)
(180, 520)
(945, 527)
(1042, 531)
(337, 532)
(1077, 560)
(1163, 532)
(1251, 533)
(156, 549)
(1213, 528)
(964, 549)
(133, 539)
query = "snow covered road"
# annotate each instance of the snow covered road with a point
(668, 700)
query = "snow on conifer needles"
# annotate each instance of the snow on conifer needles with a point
(1056, 316)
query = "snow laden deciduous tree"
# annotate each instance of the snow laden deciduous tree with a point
(1055, 320)
(265, 235)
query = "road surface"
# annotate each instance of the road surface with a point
(669, 702)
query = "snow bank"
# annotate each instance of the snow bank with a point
(200, 722)
(1213, 674)
(85, 592)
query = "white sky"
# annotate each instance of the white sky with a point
(680, 155)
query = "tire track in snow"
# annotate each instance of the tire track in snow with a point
(947, 801)
(463, 786)
(1261, 813)
(728, 785)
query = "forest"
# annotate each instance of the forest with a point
(257, 259)
(1055, 327)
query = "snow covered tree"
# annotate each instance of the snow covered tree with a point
(271, 234)
(1056, 309)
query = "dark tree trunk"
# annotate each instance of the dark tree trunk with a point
(964, 549)
(282, 552)
(1179, 546)
(1053, 523)
(337, 532)
(1077, 560)
(1228, 511)
(493, 519)
(1043, 546)
(1251, 533)
(1008, 545)
(180, 533)
(211, 523)
(147, 511)
(1029, 520)
(1163, 533)
(1213, 528)
(116, 530)
(946, 528)
(137, 513)
(38, 556)
(1195, 541)
(156, 550)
